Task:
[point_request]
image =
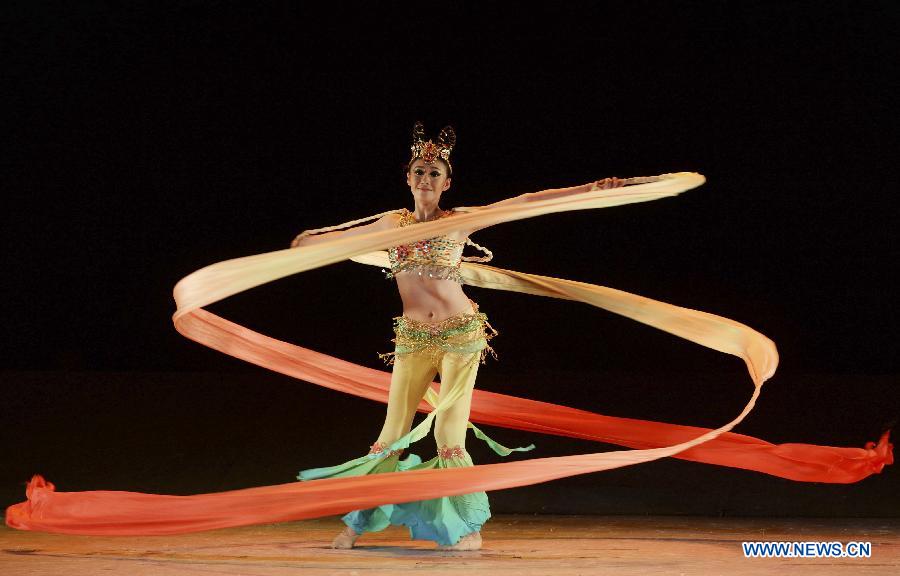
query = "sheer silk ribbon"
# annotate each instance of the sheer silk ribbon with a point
(105, 512)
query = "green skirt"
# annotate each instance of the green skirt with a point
(444, 520)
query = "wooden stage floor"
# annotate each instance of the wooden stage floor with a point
(513, 544)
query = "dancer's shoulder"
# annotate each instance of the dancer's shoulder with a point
(390, 219)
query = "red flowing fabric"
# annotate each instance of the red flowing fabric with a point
(106, 512)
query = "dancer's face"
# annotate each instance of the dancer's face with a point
(428, 181)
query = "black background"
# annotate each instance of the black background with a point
(148, 140)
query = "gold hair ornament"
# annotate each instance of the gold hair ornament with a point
(430, 151)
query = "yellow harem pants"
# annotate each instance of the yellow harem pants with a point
(453, 348)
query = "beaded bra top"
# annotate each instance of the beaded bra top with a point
(437, 257)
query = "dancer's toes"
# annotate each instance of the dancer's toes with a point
(471, 541)
(345, 539)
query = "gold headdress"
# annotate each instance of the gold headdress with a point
(429, 151)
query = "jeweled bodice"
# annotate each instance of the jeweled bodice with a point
(437, 257)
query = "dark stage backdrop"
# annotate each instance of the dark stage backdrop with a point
(143, 141)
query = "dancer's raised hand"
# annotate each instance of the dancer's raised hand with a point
(607, 183)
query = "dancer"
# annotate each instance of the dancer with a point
(440, 332)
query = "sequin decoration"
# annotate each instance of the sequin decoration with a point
(437, 257)
(446, 453)
(462, 333)
(430, 151)
(379, 447)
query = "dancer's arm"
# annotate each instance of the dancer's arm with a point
(604, 184)
(386, 222)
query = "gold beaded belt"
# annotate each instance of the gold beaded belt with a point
(462, 334)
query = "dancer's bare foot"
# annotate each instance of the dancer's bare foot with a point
(471, 541)
(345, 539)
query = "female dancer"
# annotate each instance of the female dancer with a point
(441, 332)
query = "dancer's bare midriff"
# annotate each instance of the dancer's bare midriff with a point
(431, 299)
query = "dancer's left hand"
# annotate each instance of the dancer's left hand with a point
(607, 183)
